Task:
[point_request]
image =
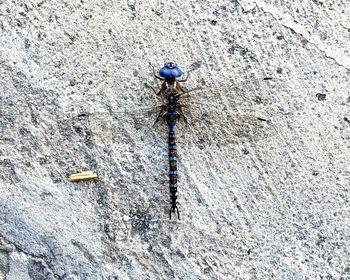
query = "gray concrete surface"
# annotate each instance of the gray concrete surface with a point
(258, 199)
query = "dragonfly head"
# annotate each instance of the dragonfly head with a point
(170, 70)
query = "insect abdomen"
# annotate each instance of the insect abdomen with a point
(172, 163)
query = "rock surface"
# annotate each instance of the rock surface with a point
(263, 169)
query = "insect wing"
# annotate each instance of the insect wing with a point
(113, 126)
(229, 112)
(249, 92)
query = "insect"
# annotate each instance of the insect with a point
(179, 103)
(171, 92)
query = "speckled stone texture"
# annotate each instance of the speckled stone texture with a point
(263, 168)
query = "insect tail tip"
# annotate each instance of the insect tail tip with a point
(172, 210)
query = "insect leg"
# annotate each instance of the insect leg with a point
(161, 114)
(154, 90)
(155, 75)
(186, 90)
(188, 75)
(181, 113)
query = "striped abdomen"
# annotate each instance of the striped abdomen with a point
(172, 163)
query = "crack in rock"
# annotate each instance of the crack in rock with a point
(286, 20)
(38, 268)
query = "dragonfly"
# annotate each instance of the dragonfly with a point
(195, 108)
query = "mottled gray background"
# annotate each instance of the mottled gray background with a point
(258, 199)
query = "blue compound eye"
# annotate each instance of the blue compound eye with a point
(170, 70)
